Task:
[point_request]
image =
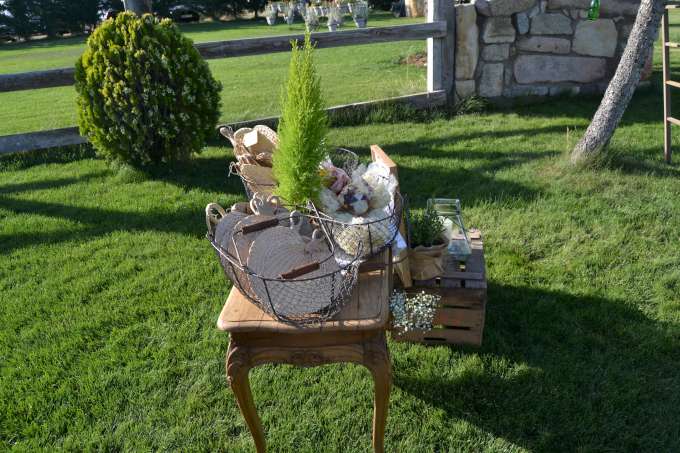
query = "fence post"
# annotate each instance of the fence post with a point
(440, 51)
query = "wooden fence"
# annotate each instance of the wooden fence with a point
(439, 31)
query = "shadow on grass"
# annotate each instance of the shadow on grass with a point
(210, 174)
(588, 374)
(474, 184)
(205, 174)
(48, 184)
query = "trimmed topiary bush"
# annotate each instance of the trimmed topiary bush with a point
(145, 95)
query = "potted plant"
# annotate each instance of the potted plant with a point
(290, 13)
(302, 131)
(334, 18)
(360, 14)
(270, 13)
(428, 244)
(311, 19)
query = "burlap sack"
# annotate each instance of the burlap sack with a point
(427, 262)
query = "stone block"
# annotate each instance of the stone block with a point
(491, 82)
(524, 91)
(607, 7)
(498, 30)
(544, 44)
(551, 24)
(522, 23)
(596, 38)
(549, 68)
(503, 7)
(467, 41)
(560, 4)
(465, 88)
(619, 7)
(496, 52)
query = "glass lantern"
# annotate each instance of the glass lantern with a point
(459, 241)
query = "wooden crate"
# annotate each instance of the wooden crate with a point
(460, 317)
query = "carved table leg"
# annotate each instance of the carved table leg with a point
(238, 366)
(377, 359)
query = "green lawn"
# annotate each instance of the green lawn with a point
(109, 294)
(251, 84)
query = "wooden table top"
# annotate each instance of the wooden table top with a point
(367, 309)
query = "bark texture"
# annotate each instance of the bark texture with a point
(138, 7)
(623, 84)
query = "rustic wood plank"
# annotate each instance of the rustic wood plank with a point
(440, 49)
(244, 47)
(33, 141)
(37, 79)
(458, 317)
(672, 120)
(322, 40)
(665, 55)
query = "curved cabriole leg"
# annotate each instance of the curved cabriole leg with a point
(377, 360)
(238, 366)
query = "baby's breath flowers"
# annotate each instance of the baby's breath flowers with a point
(413, 312)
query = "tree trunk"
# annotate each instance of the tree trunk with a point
(623, 84)
(138, 7)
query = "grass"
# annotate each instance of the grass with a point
(251, 84)
(109, 295)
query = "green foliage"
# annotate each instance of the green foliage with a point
(302, 130)
(426, 227)
(145, 95)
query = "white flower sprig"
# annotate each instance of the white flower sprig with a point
(414, 312)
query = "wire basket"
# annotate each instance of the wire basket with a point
(369, 237)
(371, 234)
(269, 276)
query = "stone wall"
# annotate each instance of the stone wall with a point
(520, 48)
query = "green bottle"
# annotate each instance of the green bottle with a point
(594, 11)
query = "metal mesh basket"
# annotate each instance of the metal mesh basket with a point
(300, 296)
(369, 237)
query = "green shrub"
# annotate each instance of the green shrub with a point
(302, 130)
(145, 95)
(426, 228)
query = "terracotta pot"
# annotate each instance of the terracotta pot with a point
(427, 262)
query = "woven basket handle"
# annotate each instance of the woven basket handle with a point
(263, 204)
(211, 218)
(317, 243)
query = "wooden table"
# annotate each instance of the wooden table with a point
(356, 334)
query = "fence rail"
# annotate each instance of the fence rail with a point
(33, 141)
(439, 32)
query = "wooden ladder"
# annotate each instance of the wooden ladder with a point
(667, 82)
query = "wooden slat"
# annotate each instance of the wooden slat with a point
(665, 55)
(244, 47)
(673, 83)
(36, 79)
(673, 45)
(322, 40)
(440, 49)
(442, 336)
(32, 141)
(458, 317)
(672, 120)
